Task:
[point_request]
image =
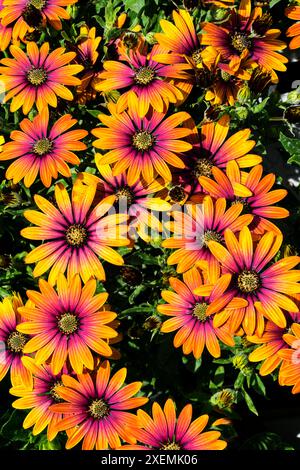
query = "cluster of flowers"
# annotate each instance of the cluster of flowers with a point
(154, 160)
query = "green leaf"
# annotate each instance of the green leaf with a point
(249, 402)
(292, 147)
(134, 5)
(259, 107)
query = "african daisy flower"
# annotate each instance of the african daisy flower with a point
(250, 189)
(137, 200)
(144, 146)
(265, 287)
(38, 77)
(96, 409)
(192, 315)
(213, 147)
(12, 342)
(164, 431)
(67, 324)
(87, 55)
(144, 78)
(293, 12)
(246, 35)
(27, 13)
(194, 227)
(75, 235)
(39, 398)
(41, 149)
(289, 373)
(271, 343)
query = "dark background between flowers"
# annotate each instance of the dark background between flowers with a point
(265, 416)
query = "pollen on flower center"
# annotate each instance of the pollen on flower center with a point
(16, 341)
(76, 235)
(240, 41)
(225, 76)
(53, 391)
(240, 200)
(177, 193)
(43, 146)
(197, 57)
(170, 446)
(37, 76)
(211, 236)
(199, 311)
(203, 167)
(68, 323)
(143, 140)
(144, 75)
(38, 4)
(125, 193)
(248, 281)
(98, 409)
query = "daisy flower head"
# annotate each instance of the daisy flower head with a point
(39, 398)
(196, 225)
(270, 344)
(253, 190)
(293, 12)
(144, 146)
(38, 77)
(165, 431)
(75, 235)
(267, 287)
(142, 77)
(24, 14)
(213, 147)
(192, 315)
(67, 323)
(96, 408)
(247, 35)
(12, 342)
(42, 149)
(289, 373)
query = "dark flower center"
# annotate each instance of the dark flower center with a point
(199, 311)
(211, 236)
(144, 75)
(170, 446)
(98, 409)
(196, 56)
(225, 76)
(248, 281)
(53, 391)
(203, 167)
(177, 193)
(37, 76)
(241, 200)
(38, 4)
(43, 146)
(143, 140)
(125, 194)
(68, 323)
(76, 235)
(262, 24)
(16, 341)
(240, 41)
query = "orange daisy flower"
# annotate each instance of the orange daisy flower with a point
(289, 373)
(144, 78)
(142, 145)
(266, 288)
(87, 56)
(96, 409)
(246, 35)
(40, 149)
(293, 12)
(252, 191)
(271, 343)
(67, 324)
(195, 227)
(164, 431)
(38, 77)
(39, 397)
(25, 14)
(12, 343)
(75, 235)
(192, 315)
